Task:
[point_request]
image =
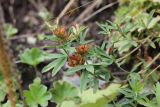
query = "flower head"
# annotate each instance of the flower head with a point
(82, 49)
(60, 32)
(75, 59)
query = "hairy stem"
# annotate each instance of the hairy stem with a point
(6, 70)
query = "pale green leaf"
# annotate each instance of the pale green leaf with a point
(37, 94)
(63, 91)
(33, 57)
(10, 30)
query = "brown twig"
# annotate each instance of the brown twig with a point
(34, 4)
(98, 11)
(144, 41)
(146, 68)
(65, 10)
(87, 10)
(152, 71)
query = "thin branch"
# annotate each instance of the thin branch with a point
(65, 10)
(152, 71)
(88, 10)
(146, 68)
(144, 41)
(98, 11)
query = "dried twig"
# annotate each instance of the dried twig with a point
(87, 10)
(98, 11)
(34, 4)
(146, 68)
(65, 10)
(152, 71)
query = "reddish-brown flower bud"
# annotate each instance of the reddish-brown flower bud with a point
(82, 49)
(60, 33)
(75, 59)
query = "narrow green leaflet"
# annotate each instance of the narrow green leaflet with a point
(33, 57)
(96, 85)
(37, 94)
(157, 91)
(84, 80)
(52, 56)
(56, 65)
(50, 66)
(73, 70)
(63, 91)
(60, 63)
(124, 45)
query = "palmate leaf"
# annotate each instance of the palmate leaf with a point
(63, 91)
(37, 94)
(10, 30)
(32, 57)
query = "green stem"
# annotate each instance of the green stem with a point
(38, 74)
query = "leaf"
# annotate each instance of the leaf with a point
(53, 56)
(146, 102)
(152, 44)
(84, 80)
(153, 22)
(3, 91)
(49, 66)
(157, 92)
(90, 68)
(63, 91)
(52, 38)
(135, 83)
(32, 57)
(56, 65)
(44, 14)
(59, 64)
(96, 85)
(124, 45)
(10, 30)
(68, 104)
(73, 70)
(101, 98)
(37, 94)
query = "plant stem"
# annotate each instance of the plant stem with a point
(38, 74)
(6, 70)
(152, 71)
(146, 68)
